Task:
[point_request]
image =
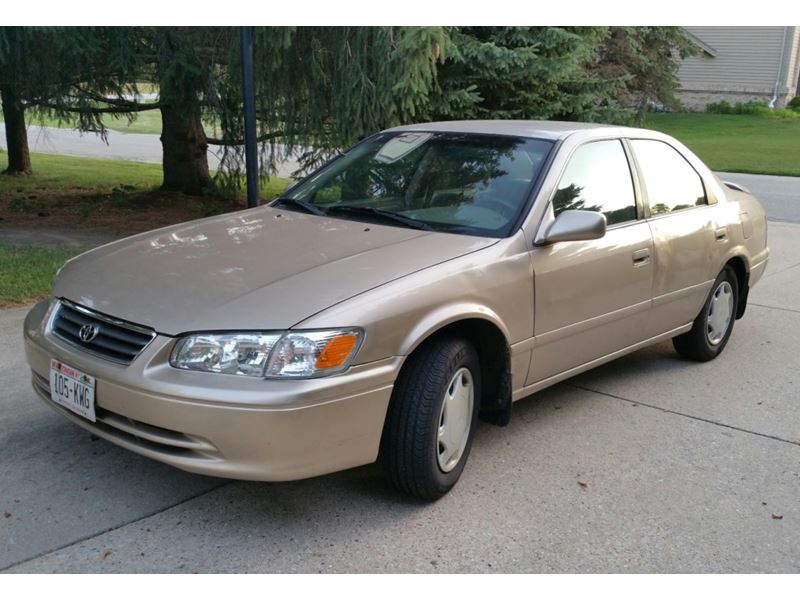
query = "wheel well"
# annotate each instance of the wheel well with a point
(495, 359)
(743, 280)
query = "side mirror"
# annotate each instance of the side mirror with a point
(576, 225)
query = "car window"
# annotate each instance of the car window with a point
(671, 182)
(598, 178)
(456, 182)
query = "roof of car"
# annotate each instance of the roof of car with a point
(550, 130)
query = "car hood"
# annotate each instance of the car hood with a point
(263, 268)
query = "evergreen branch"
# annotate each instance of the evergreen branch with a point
(267, 137)
(121, 102)
(93, 110)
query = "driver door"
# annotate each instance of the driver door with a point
(592, 298)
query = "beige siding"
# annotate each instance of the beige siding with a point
(794, 64)
(748, 59)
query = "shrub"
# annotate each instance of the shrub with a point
(753, 108)
(722, 107)
(758, 109)
(794, 104)
(785, 113)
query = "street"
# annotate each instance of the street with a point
(779, 195)
(649, 463)
(139, 147)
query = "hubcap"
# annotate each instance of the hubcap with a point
(455, 420)
(720, 312)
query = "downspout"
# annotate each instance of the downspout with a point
(780, 68)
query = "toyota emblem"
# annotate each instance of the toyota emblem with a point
(88, 332)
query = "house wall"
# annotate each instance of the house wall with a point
(793, 81)
(745, 67)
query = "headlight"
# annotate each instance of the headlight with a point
(313, 353)
(232, 353)
(274, 355)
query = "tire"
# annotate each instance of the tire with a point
(709, 335)
(420, 455)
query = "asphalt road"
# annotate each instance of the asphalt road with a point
(780, 195)
(140, 147)
(687, 468)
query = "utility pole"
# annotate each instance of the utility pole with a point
(249, 92)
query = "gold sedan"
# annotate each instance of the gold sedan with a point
(432, 275)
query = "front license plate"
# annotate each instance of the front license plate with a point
(72, 389)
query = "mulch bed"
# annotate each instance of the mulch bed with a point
(117, 212)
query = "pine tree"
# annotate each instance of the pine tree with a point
(648, 57)
(525, 73)
(320, 89)
(24, 73)
(317, 87)
(60, 71)
(611, 74)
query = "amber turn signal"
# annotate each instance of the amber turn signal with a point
(336, 351)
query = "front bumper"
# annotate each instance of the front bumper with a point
(223, 425)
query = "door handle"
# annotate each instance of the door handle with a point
(641, 257)
(721, 234)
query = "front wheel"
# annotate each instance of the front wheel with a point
(432, 418)
(712, 328)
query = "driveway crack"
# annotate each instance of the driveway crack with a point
(115, 527)
(783, 270)
(688, 416)
(774, 307)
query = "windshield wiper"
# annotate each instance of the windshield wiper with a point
(381, 215)
(301, 204)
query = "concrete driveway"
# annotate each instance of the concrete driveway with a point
(687, 468)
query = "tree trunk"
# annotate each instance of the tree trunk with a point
(184, 146)
(19, 158)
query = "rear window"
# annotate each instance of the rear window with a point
(671, 182)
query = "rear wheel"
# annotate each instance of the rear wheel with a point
(432, 418)
(712, 328)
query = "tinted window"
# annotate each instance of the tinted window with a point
(598, 178)
(671, 182)
(450, 181)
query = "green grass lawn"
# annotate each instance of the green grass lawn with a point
(26, 272)
(53, 172)
(68, 173)
(736, 143)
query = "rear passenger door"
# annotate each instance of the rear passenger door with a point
(684, 233)
(592, 297)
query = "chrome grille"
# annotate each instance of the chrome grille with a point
(113, 339)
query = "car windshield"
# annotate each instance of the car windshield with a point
(453, 182)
